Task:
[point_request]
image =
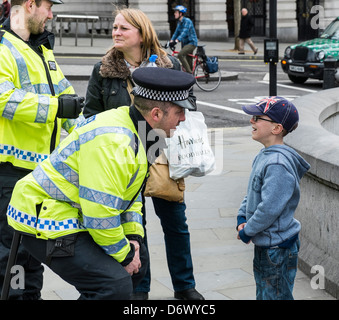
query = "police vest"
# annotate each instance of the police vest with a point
(30, 84)
(89, 183)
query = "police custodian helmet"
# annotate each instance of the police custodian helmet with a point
(164, 84)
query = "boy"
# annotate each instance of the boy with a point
(266, 214)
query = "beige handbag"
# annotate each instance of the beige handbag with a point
(160, 185)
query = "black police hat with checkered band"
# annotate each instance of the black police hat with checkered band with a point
(164, 84)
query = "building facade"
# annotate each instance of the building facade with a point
(214, 19)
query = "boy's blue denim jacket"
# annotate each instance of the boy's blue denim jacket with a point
(272, 197)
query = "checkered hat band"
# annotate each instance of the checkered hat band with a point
(162, 95)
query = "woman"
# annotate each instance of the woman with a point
(110, 83)
(109, 87)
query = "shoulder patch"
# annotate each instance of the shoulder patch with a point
(52, 65)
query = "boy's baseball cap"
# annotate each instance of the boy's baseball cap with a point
(279, 109)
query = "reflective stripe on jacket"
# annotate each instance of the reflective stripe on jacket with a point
(30, 84)
(98, 168)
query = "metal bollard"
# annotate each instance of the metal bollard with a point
(329, 72)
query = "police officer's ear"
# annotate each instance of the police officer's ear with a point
(29, 4)
(156, 114)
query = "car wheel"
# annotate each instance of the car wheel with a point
(296, 79)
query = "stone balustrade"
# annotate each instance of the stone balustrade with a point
(317, 140)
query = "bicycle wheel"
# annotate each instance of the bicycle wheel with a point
(206, 81)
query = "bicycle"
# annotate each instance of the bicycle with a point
(204, 79)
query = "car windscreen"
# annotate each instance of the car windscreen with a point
(332, 31)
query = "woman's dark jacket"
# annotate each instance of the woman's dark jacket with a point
(107, 86)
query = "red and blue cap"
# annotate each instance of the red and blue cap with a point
(279, 109)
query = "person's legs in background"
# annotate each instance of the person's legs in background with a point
(178, 248)
(186, 60)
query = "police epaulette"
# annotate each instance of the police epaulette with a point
(2, 32)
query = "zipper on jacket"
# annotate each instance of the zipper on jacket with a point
(50, 83)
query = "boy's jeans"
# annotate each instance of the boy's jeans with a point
(274, 272)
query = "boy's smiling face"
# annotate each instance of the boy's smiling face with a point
(272, 118)
(264, 130)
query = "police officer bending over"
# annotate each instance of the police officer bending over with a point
(80, 210)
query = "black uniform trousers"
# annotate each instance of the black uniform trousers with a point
(9, 175)
(78, 260)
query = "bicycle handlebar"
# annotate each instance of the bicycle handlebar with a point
(170, 45)
(166, 45)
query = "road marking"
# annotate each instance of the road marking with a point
(241, 101)
(267, 77)
(245, 101)
(221, 107)
(290, 87)
(239, 60)
(252, 66)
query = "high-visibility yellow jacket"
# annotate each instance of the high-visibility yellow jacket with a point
(30, 83)
(98, 168)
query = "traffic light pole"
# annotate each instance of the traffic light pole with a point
(273, 35)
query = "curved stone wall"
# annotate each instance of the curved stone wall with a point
(329, 118)
(317, 140)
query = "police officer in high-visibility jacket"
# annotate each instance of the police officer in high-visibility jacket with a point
(36, 101)
(80, 210)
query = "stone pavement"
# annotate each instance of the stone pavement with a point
(222, 264)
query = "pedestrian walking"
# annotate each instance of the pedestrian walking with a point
(246, 26)
(7, 8)
(184, 33)
(80, 210)
(266, 215)
(2, 14)
(110, 86)
(36, 102)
